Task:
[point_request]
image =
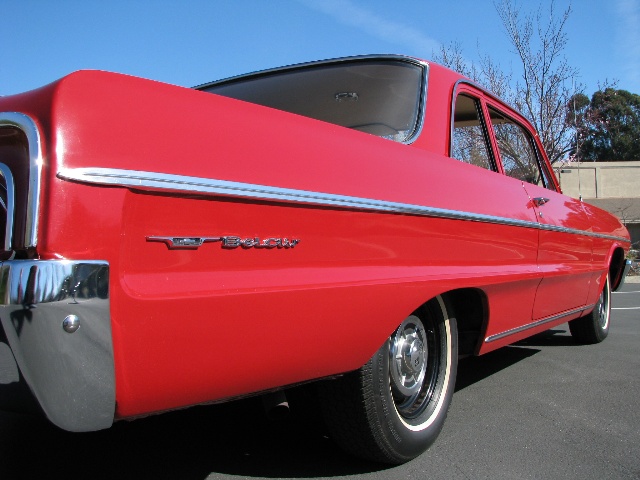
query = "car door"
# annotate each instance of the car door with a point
(565, 251)
(512, 287)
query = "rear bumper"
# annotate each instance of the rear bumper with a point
(56, 321)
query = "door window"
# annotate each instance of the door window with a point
(469, 140)
(518, 153)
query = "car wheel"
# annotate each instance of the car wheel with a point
(392, 409)
(594, 327)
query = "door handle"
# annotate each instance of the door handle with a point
(539, 201)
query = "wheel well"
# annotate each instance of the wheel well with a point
(616, 267)
(470, 309)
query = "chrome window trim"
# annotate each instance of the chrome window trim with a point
(417, 130)
(541, 163)
(30, 129)
(483, 123)
(154, 181)
(423, 103)
(537, 323)
(480, 88)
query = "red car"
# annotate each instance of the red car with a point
(362, 222)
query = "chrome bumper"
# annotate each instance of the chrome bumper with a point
(55, 315)
(625, 272)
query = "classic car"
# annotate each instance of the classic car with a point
(356, 225)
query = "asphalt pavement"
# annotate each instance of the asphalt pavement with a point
(543, 408)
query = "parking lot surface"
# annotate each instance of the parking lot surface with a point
(542, 408)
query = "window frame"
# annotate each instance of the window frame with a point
(489, 100)
(550, 182)
(475, 95)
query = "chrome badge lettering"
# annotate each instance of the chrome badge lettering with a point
(256, 242)
(227, 242)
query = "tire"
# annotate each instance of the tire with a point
(594, 327)
(393, 408)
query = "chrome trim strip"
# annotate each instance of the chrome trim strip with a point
(555, 228)
(206, 186)
(179, 183)
(55, 315)
(5, 172)
(30, 129)
(537, 323)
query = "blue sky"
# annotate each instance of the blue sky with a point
(188, 42)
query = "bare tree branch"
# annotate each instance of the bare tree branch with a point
(545, 83)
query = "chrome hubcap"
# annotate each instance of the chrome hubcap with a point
(409, 354)
(603, 307)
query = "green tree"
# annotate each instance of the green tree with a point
(608, 126)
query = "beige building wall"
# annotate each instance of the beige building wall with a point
(599, 179)
(613, 186)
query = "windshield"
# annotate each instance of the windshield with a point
(380, 97)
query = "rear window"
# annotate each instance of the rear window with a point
(382, 98)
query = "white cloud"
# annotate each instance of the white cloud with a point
(628, 41)
(375, 25)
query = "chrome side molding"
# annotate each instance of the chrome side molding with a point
(537, 323)
(170, 183)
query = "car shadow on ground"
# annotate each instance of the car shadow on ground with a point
(556, 337)
(474, 369)
(235, 439)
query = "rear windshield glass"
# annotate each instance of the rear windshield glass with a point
(378, 97)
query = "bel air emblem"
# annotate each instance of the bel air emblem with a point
(227, 241)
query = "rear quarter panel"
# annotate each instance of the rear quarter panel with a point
(191, 326)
